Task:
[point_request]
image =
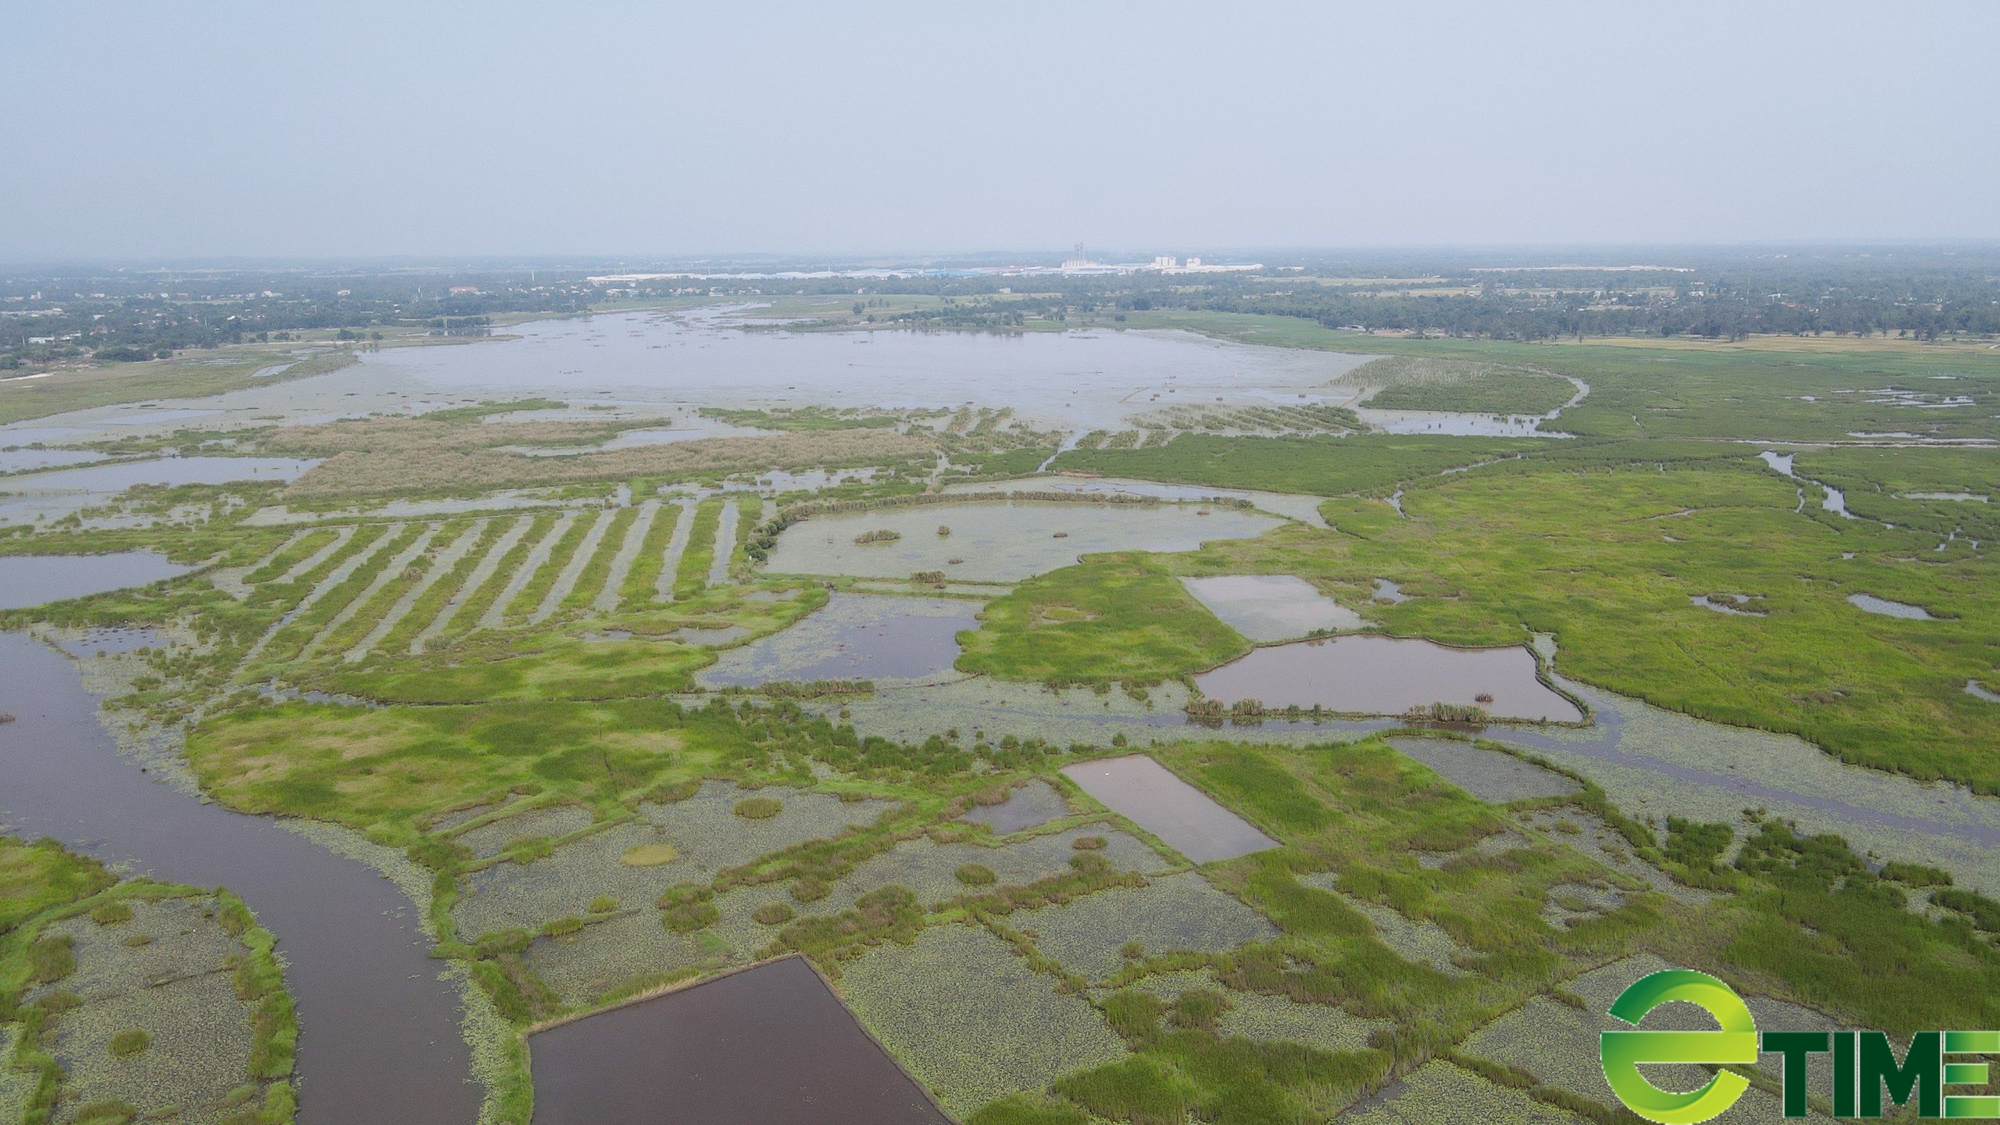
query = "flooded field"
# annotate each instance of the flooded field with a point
(969, 1017)
(1490, 775)
(31, 460)
(1068, 715)
(1070, 380)
(854, 637)
(51, 495)
(1653, 762)
(1190, 821)
(1182, 912)
(1443, 423)
(378, 1030)
(772, 1044)
(999, 541)
(27, 580)
(1035, 803)
(1388, 676)
(164, 970)
(1561, 1042)
(1305, 509)
(1272, 607)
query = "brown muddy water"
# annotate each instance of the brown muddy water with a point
(1189, 820)
(1366, 675)
(771, 1045)
(379, 1037)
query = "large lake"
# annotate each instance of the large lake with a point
(1073, 380)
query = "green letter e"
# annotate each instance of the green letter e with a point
(1621, 1052)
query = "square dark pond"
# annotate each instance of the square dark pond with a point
(771, 1045)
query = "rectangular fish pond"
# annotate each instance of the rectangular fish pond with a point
(1189, 820)
(1370, 675)
(998, 541)
(771, 1045)
(1271, 607)
(854, 637)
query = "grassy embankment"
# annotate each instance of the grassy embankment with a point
(191, 376)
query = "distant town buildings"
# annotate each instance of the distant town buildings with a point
(1078, 264)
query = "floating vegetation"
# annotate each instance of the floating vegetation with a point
(1175, 913)
(649, 855)
(1257, 1016)
(704, 832)
(758, 808)
(493, 838)
(1003, 541)
(931, 869)
(1556, 1042)
(1441, 1093)
(1424, 942)
(879, 535)
(191, 1021)
(971, 1020)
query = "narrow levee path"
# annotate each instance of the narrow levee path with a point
(663, 589)
(481, 575)
(441, 566)
(327, 585)
(379, 1037)
(496, 614)
(307, 565)
(390, 573)
(725, 544)
(628, 553)
(573, 570)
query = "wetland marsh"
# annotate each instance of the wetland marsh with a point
(757, 720)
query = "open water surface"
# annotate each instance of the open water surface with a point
(1368, 675)
(1084, 380)
(379, 1037)
(853, 637)
(27, 580)
(1189, 820)
(771, 1045)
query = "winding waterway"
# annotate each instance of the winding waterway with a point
(379, 1037)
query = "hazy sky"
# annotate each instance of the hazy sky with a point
(644, 130)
